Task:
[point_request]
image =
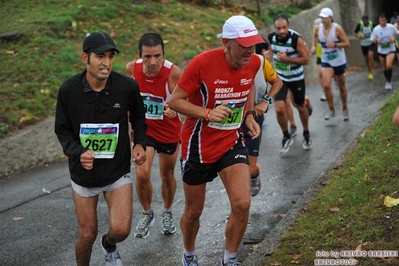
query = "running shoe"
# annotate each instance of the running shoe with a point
(143, 227)
(323, 98)
(190, 260)
(329, 114)
(370, 76)
(168, 225)
(388, 85)
(286, 143)
(307, 143)
(292, 131)
(230, 262)
(346, 115)
(111, 258)
(255, 185)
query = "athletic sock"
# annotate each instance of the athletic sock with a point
(228, 255)
(108, 247)
(386, 74)
(389, 75)
(189, 253)
(255, 177)
(149, 212)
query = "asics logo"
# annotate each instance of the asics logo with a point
(240, 156)
(218, 81)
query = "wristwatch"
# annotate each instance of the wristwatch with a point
(267, 99)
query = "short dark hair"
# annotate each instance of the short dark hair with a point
(382, 15)
(281, 16)
(151, 39)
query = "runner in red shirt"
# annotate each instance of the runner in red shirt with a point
(216, 93)
(156, 77)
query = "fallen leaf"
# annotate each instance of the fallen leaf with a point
(296, 256)
(276, 263)
(18, 218)
(334, 209)
(24, 119)
(390, 202)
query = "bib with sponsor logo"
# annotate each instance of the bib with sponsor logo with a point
(102, 139)
(233, 121)
(153, 106)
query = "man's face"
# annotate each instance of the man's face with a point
(152, 59)
(282, 27)
(382, 21)
(326, 21)
(366, 22)
(239, 54)
(100, 65)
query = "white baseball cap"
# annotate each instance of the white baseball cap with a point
(241, 29)
(326, 12)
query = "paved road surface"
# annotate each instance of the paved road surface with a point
(37, 214)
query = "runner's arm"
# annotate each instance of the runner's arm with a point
(341, 35)
(315, 39)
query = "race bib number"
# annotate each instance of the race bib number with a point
(233, 121)
(330, 56)
(102, 139)
(282, 66)
(153, 106)
(386, 45)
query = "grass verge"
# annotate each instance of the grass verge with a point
(34, 67)
(348, 213)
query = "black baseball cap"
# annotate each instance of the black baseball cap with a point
(365, 17)
(99, 42)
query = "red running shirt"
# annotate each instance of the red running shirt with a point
(209, 80)
(155, 92)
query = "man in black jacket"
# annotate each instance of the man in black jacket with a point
(92, 115)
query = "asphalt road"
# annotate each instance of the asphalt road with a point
(37, 214)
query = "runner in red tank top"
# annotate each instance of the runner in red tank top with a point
(156, 77)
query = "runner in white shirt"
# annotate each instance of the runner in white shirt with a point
(384, 36)
(333, 40)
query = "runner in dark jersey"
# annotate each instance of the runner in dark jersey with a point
(91, 123)
(216, 94)
(290, 54)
